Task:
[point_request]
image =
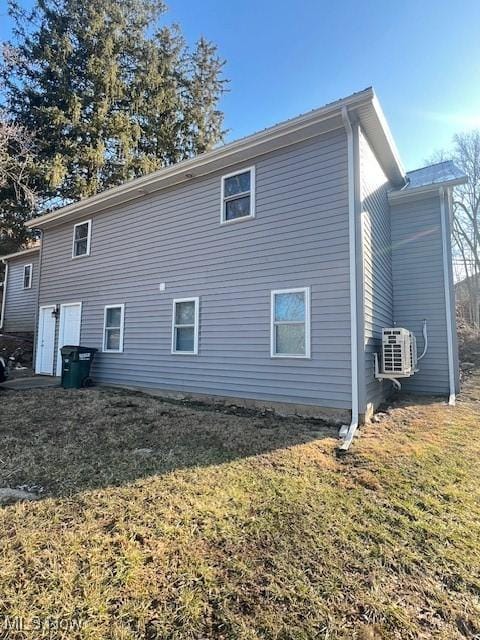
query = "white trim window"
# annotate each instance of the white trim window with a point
(27, 276)
(82, 232)
(238, 196)
(185, 321)
(113, 328)
(290, 323)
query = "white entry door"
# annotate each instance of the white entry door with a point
(69, 330)
(45, 340)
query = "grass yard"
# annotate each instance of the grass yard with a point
(177, 522)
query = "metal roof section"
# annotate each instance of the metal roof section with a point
(24, 252)
(430, 178)
(433, 174)
(362, 105)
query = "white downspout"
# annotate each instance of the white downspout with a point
(37, 309)
(4, 298)
(348, 432)
(448, 311)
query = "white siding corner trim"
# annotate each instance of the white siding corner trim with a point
(105, 348)
(251, 193)
(89, 236)
(306, 323)
(195, 325)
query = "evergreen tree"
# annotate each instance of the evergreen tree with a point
(108, 92)
(17, 197)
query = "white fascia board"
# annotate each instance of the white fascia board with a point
(278, 136)
(388, 136)
(424, 190)
(17, 254)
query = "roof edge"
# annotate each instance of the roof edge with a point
(101, 200)
(401, 194)
(388, 134)
(226, 155)
(24, 252)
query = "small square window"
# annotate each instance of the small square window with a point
(238, 196)
(113, 328)
(290, 330)
(27, 276)
(185, 326)
(81, 239)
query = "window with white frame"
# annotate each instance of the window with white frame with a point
(81, 239)
(27, 276)
(113, 328)
(185, 326)
(238, 195)
(290, 329)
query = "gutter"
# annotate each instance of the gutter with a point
(4, 298)
(347, 433)
(448, 298)
(210, 161)
(429, 189)
(23, 252)
(276, 137)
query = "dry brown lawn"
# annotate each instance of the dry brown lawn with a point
(237, 525)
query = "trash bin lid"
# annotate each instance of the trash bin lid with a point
(91, 350)
(69, 348)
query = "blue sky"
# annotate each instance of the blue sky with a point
(283, 58)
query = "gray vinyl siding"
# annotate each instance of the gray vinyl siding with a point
(377, 262)
(419, 288)
(298, 238)
(20, 303)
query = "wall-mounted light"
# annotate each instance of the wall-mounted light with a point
(56, 312)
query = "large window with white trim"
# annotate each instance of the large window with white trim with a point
(27, 276)
(290, 323)
(81, 239)
(238, 195)
(113, 328)
(185, 326)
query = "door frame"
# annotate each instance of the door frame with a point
(60, 329)
(41, 308)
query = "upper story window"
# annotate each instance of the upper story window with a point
(290, 330)
(113, 325)
(27, 276)
(238, 195)
(185, 326)
(81, 239)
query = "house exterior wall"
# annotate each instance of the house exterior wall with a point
(299, 238)
(418, 288)
(20, 303)
(377, 267)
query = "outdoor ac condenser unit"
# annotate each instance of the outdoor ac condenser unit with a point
(399, 352)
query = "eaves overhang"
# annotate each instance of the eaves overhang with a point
(418, 192)
(18, 254)
(363, 105)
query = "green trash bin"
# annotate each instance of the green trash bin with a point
(76, 364)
